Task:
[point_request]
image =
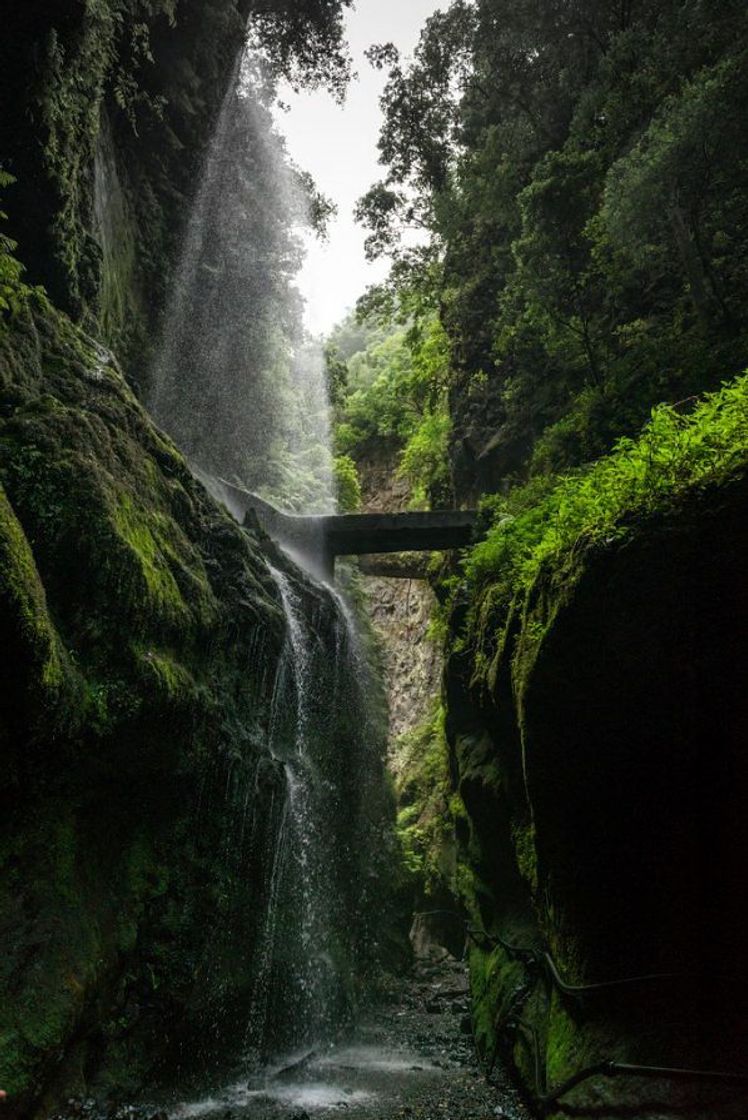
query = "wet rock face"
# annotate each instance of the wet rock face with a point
(400, 610)
(602, 762)
(103, 129)
(143, 627)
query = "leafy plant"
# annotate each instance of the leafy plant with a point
(677, 453)
(394, 390)
(347, 484)
(12, 289)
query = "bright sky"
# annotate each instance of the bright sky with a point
(339, 147)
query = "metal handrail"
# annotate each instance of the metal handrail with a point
(606, 1067)
(545, 959)
(610, 1069)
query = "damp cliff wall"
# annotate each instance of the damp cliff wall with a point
(402, 613)
(107, 112)
(400, 610)
(597, 729)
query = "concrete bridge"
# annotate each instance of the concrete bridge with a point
(319, 539)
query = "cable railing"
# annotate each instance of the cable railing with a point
(544, 1097)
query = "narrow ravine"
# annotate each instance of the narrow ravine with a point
(454, 831)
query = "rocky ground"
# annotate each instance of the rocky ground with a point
(411, 1059)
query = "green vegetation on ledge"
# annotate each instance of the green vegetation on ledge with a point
(545, 523)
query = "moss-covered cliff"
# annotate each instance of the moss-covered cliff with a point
(142, 635)
(597, 724)
(132, 614)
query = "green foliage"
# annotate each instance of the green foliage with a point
(393, 389)
(347, 484)
(11, 271)
(12, 289)
(549, 519)
(304, 42)
(427, 806)
(578, 172)
(424, 461)
(24, 616)
(336, 374)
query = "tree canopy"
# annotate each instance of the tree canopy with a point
(577, 172)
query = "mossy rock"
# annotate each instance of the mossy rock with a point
(140, 622)
(600, 753)
(142, 791)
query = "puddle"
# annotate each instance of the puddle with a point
(310, 1096)
(375, 1059)
(338, 1080)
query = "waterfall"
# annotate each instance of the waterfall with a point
(309, 986)
(236, 382)
(243, 393)
(328, 840)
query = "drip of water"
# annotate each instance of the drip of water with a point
(259, 1007)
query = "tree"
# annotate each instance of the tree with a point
(577, 169)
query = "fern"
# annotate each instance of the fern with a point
(676, 454)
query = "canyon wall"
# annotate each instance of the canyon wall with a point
(598, 743)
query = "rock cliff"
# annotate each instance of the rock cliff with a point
(141, 784)
(599, 749)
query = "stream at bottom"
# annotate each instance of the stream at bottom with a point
(411, 1057)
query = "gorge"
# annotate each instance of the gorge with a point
(459, 832)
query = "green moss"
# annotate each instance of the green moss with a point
(541, 532)
(523, 837)
(494, 977)
(172, 680)
(143, 534)
(425, 821)
(24, 602)
(132, 606)
(49, 995)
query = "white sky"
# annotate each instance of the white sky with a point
(339, 147)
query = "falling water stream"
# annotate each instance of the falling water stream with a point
(236, 381)
(304, 1053)
(304, 885)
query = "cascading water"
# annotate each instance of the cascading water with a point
(236, 382)
(295, 962)
(322, 848)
